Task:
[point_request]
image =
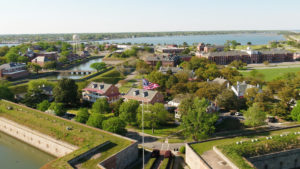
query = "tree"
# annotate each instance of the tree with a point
(254, 116)
(185, 105)
(154, 115)
(115, 107)
(158, 65)
(100, 106)
(50, 65)
(3, 50)
(238, 64)
(96, 120)
(227, 99)
(171, 81)
(36, 67)
(62, 59)
(208, 90)
(66, 92)
(57, 108)
(249, 43)
(34, 97)
(197, 123)
(128, 111)
(12, 56)
(115, 125)
(250, 95)
(5, 92)
(296, 112)
(43, 106)
(82, 115)
(38, 83)
(22, 59)
(98, 66)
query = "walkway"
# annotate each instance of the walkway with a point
(214, 160)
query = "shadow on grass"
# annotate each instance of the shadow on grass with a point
(90, 155)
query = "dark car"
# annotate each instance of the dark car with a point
(155, 153)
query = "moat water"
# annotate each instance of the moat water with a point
(15, 154)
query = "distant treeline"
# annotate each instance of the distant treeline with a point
(20, 38)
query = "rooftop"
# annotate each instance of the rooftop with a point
(12, 65)
(98, 87)
(140, 94)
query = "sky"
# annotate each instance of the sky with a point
(96, 16)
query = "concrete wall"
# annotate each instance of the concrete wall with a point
(231, 164)
(193, 160)
(280, 160)
(36, 139)
(122, 159)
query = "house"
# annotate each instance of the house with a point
(84, 54)
(166, 60)
(41, 60)
(209, 48)
(13, 70)
(49, 55)
(240, 88)
(96, 90)
(146, 96)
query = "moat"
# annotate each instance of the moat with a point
(15, 154)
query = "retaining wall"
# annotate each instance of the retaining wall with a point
(279, 160)
(121, 159)
(194, 160)
(36, 139)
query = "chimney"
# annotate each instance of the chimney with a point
(145, 94)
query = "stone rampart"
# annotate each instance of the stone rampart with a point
(41, 141)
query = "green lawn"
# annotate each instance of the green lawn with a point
(271, 74)
(126, 87)
(112, 77)
(200, 148)
(81, 135)
(162, 131)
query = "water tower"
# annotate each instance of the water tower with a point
(76, 41)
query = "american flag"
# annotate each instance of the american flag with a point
(148, 85)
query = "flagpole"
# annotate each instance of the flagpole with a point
(143, 134)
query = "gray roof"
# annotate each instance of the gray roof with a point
(98, 87)
(11, 65)
(274, 51)
(162, 58)
(173, 69)
(140, 94)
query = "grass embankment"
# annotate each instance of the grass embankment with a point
(127, 86)
(271, 74)
(150, 163)
(164, 163)
(82, 136)
(20, 88)
(237, 152)
(111, 77)
(200, 148)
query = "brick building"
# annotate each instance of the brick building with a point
(249, 56)
(95, 90)
(13, 70)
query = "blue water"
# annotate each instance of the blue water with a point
(9, 45)
(254, 38)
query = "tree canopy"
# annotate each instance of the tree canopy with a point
(66, 92)
(100, 106)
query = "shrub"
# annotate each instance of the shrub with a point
(43, 106)
(96, 120)
(82, 115)
(58, 108)
(182, 150)
(115, 125)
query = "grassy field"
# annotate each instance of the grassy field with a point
(81, 135)
(112, 77)
(271, 74)
(200, 148)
